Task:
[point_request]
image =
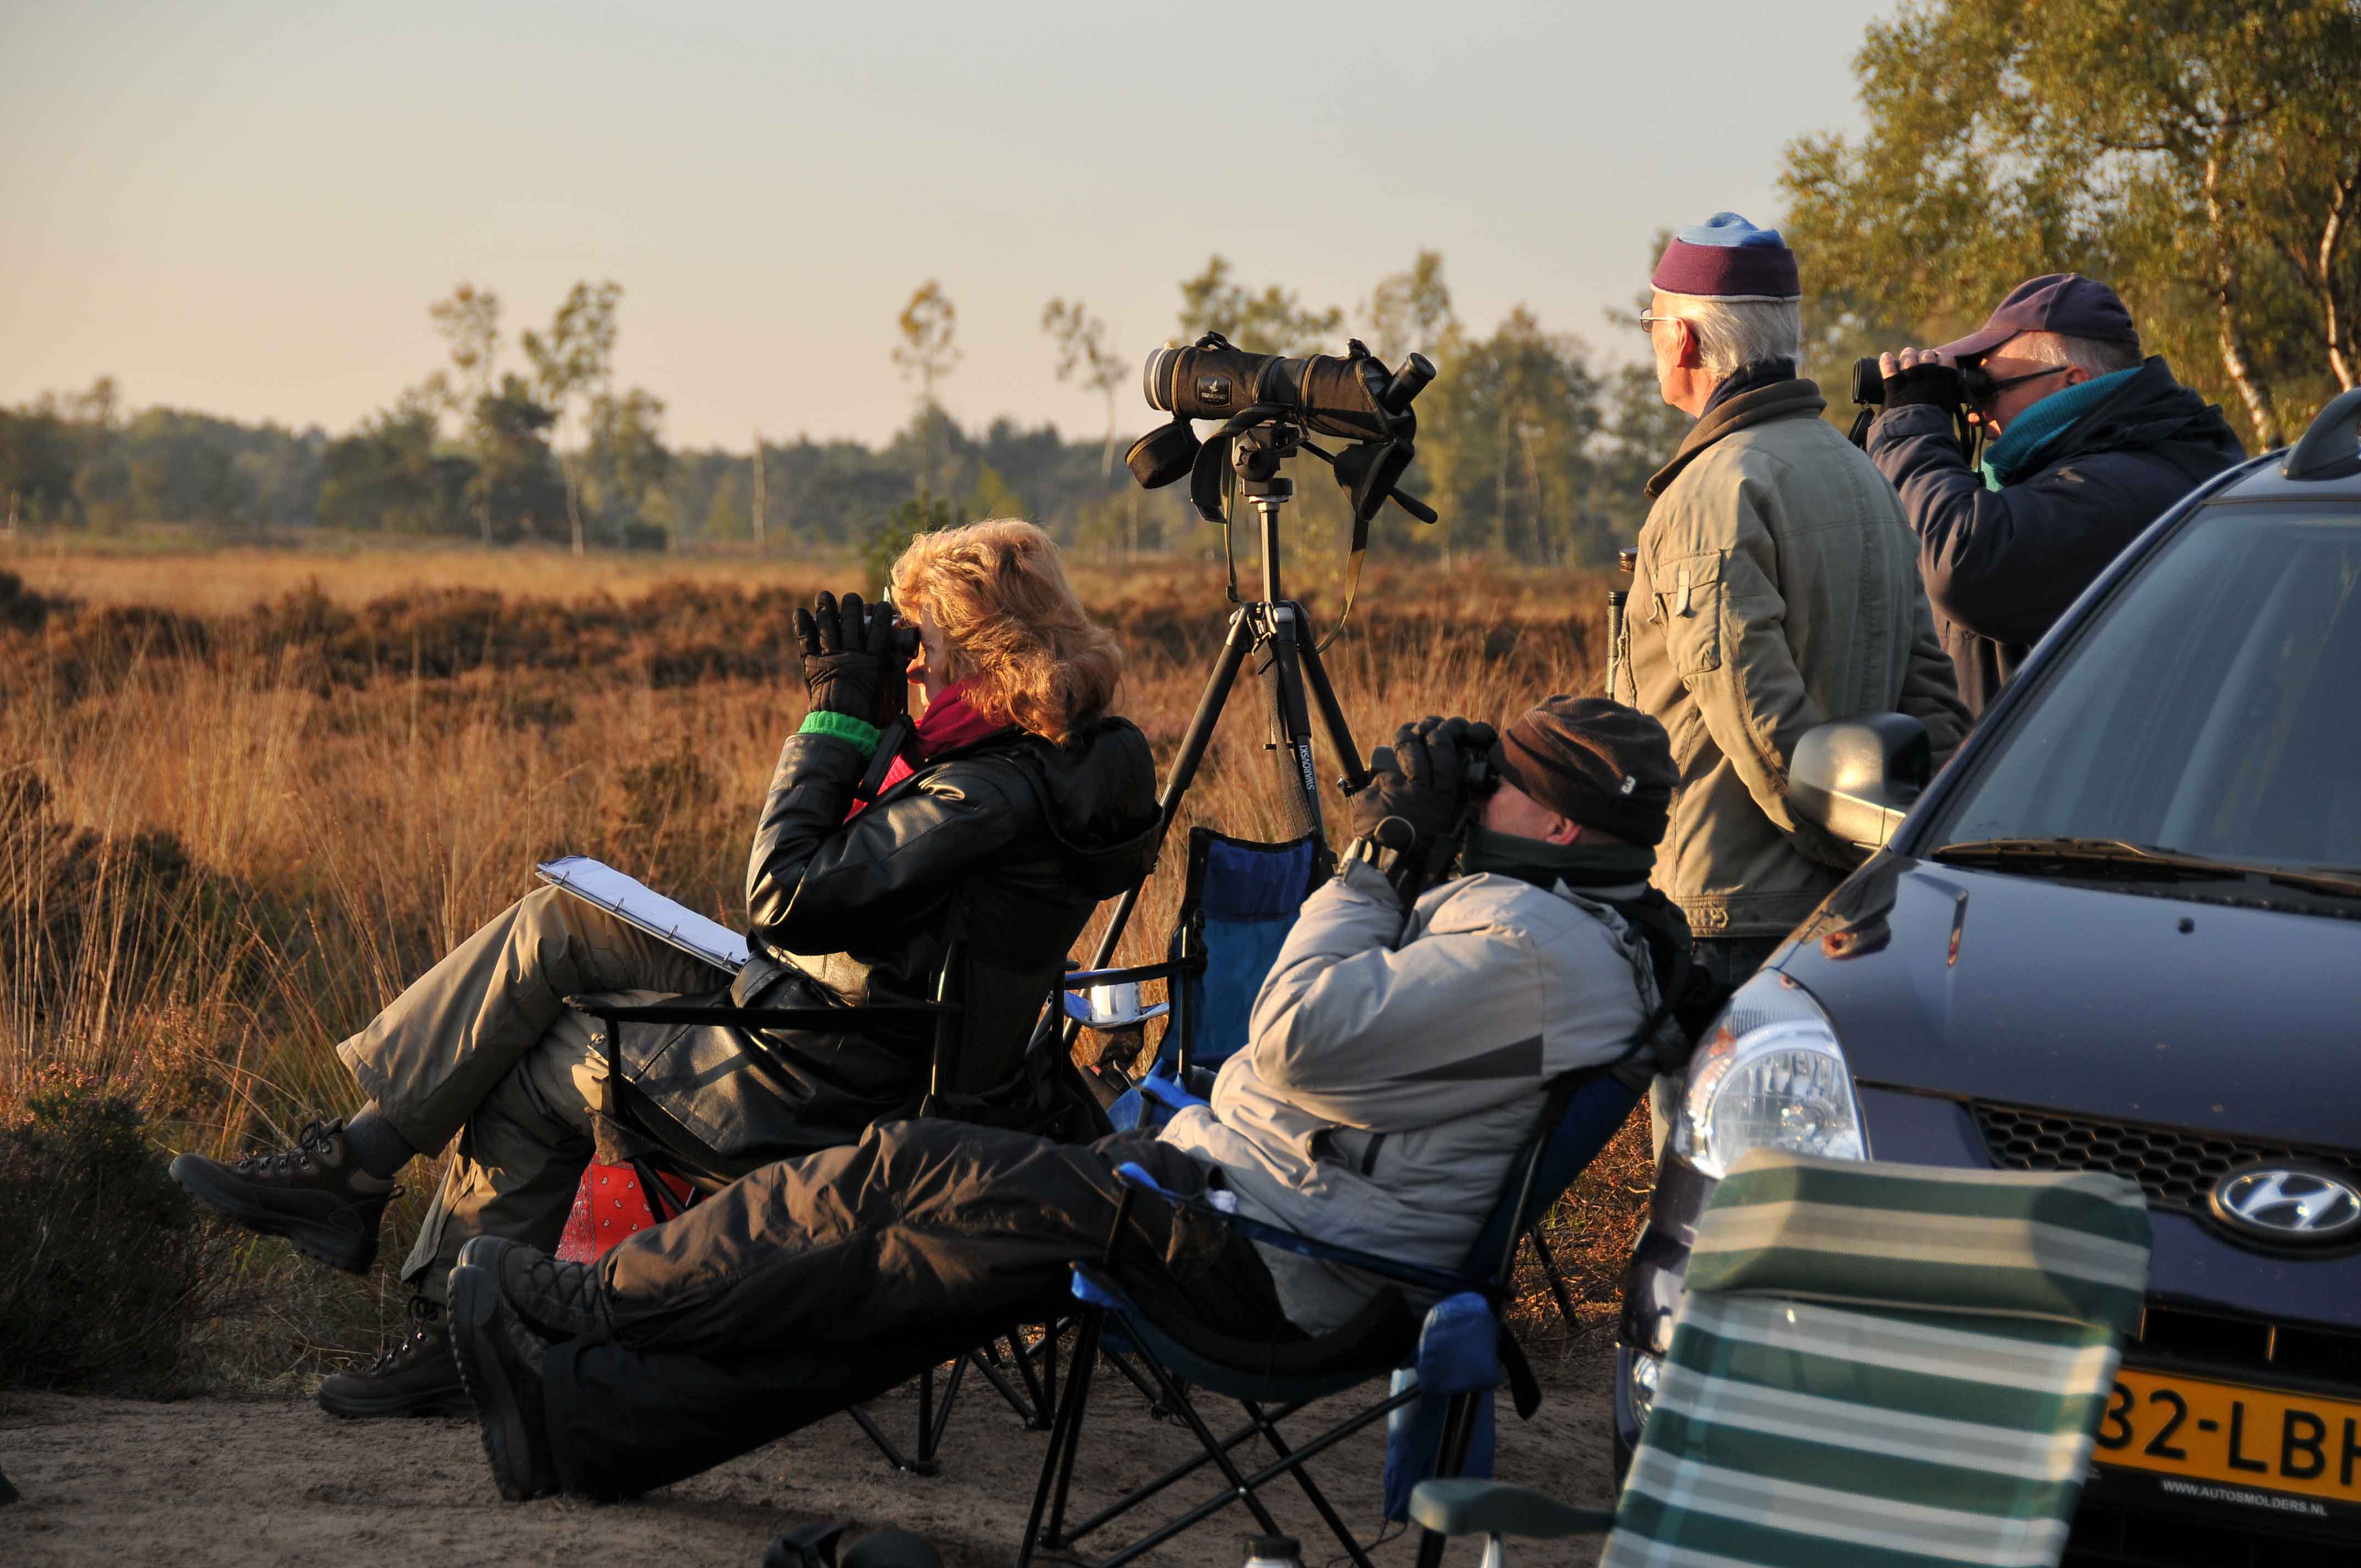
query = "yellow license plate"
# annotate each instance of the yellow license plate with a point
(2259, 1438)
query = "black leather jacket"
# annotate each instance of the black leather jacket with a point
(1009, 844)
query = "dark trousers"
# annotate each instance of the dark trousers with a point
(819, 1282)
(1728, 961)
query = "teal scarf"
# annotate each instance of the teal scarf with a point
(1545, 865)
(2038, 431)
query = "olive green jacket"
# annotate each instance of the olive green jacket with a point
(1777, 588)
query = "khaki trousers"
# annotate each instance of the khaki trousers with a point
(483, 1046)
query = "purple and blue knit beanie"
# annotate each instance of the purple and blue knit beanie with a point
(1725, 258)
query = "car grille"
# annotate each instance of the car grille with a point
(2232, 1345)
(2176, 1169)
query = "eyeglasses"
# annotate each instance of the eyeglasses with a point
(1983, 390)
(1648, 319)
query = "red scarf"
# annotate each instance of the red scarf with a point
(948, 724)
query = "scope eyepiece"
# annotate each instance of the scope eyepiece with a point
(1408, 382)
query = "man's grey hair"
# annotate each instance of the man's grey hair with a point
(1734, 333)
(2097, 355)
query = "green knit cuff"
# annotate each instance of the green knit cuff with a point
(844, 727)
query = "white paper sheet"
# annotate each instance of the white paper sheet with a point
(594, 882)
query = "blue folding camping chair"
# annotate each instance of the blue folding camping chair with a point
(1443, 1361)
(1238, 900)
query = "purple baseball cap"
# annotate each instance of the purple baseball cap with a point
(2064, 302)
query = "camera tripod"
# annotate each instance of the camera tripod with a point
(1272, 628)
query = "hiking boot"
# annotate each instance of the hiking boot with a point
(500, 1361)
(559, 1300)
(417, 1376)
(313, 1194)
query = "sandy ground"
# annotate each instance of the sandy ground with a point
(206, 1482)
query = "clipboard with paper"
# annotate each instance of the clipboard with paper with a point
(637, 904)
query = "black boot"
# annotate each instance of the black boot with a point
(417, 1376)
(560, 1300)
(499, 1361)
(313, 1194)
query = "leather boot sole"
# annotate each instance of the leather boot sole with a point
(342, 1241)
(499, 1415)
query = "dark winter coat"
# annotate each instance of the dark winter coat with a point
(2001, 565)
(1008, 844)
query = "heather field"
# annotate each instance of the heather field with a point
(246, 794)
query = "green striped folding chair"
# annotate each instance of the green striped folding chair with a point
(1875, 1366)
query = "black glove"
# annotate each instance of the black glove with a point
(1417, 785)
(1937, 386)
(848, 657)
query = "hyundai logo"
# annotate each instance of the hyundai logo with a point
(2304, 1205)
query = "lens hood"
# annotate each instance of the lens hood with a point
(1163, 455)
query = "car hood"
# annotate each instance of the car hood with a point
(2133, 1006)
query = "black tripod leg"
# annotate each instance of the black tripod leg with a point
(1279, 664)
(1184, 771)
(1332, 716)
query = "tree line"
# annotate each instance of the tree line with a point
(1531, 451)
(2201, 157)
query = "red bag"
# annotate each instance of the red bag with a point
(618, 1201)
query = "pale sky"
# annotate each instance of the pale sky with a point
(245, 208)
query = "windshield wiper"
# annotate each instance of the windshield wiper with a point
(2145, 861)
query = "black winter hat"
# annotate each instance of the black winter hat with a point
(1595, 761)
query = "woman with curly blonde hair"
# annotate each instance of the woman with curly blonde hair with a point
(1017, 805)
(996, 606)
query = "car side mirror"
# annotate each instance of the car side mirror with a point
(1857, 778)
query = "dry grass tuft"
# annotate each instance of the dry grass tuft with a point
(248, 795)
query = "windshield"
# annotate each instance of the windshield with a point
(2213, 710)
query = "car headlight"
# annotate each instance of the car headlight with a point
(1770, 1075)
(1646, 1372)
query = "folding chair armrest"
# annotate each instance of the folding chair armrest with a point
(1170, 1092)
(765, 1017)
(1415, 1274)
(1462, 1507)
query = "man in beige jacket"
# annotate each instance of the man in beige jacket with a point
(1777, 588)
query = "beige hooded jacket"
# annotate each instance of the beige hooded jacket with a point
(1777, 588)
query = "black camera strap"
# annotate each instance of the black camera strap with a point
(898, 738)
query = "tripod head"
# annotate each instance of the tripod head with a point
(1258, 458)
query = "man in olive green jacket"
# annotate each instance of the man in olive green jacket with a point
(1777, 588)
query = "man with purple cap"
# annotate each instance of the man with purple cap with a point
(1777, 588)
(2089, 443)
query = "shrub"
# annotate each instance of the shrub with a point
(101, 1268)
(21, 610)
